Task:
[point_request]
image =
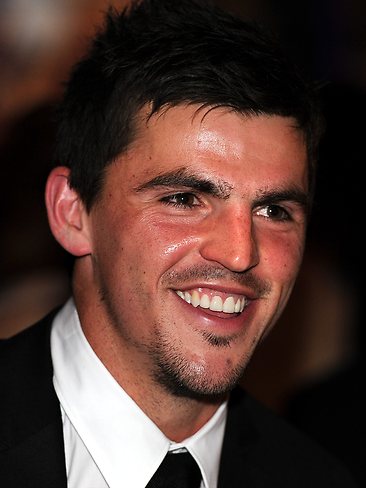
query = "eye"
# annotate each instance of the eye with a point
(273, 212)
(183, 200)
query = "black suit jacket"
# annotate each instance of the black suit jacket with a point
(260, 450)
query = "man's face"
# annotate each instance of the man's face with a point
(197, 238)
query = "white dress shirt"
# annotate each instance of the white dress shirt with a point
(109, 440)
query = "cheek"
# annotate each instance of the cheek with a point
(282, 255)
(133, 262)
(167, 242)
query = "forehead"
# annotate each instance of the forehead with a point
(220, 141)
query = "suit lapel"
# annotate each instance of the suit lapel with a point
(37, 462)
(239, 465)
(31, 441)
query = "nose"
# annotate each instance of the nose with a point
(231, 241)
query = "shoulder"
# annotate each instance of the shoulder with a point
(26, 375)
(19, 349)
(278, 451)
(31, 436)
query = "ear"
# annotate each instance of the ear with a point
(67, 216)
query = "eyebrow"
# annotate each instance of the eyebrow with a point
(292, 194)
(184, 179)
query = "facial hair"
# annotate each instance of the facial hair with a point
(182, 377)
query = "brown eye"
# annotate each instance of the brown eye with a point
(184, 200)
(273, 212)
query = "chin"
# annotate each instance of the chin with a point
(193, 381)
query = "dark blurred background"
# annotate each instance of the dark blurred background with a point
(309, 368)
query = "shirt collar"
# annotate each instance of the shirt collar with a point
(110, 423)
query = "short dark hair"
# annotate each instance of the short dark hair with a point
(163, 53)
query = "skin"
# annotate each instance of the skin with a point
(215, 201)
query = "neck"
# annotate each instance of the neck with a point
(178, 417)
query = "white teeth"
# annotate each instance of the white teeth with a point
(229, 305)
(195, 298)
(205, 301)
(215, 303)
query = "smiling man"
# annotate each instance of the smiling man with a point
(184, 179)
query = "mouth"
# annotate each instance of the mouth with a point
(213, 300)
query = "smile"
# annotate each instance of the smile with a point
(216, 303)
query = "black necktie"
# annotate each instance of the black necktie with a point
(178, 470)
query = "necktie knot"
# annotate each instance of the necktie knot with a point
(178, 470)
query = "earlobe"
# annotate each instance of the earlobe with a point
(66, 213)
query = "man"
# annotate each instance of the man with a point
(183, 183)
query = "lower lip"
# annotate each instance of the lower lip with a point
(219, 321)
